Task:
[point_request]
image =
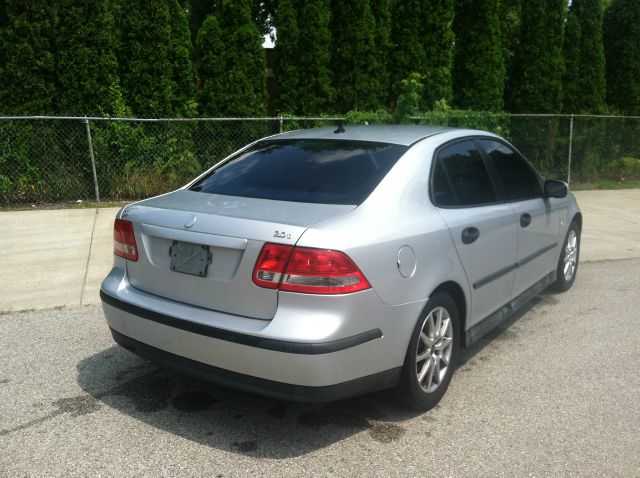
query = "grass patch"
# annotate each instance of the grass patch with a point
(68, 205)
(606, 184)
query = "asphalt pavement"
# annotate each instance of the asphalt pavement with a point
(555, 392)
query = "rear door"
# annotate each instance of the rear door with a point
(484, 232)
(537, 222)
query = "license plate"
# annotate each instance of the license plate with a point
(189, 258)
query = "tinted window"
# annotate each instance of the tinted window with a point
(518, 179)
(442, 191)
(317, 171)
(464, 173)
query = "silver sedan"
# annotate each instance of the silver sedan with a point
(324, 263)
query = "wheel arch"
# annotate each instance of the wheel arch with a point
(578, 218)
(456, 292)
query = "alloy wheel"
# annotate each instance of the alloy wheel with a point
(570, 255)
(433, 354)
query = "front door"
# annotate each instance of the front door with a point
(537, 221)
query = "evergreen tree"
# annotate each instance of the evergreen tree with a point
(381, 10)
(478, 69)
(422, 38)
(571, 78)
(232, 68)
(510, 12)
(622, 48)
(144, 57)
(86, 64)
(408, 54)
(355, 61)
(284, 66)
(209, 51)
(244, 60)
(262, 11)
(302, 57)
(584, 79)
(510, 15)
(593, 83)
(538, 67)
(198, 11)
(183, 90)
(27, 67)
(437, 39)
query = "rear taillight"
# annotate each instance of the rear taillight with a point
(311, 271)
(270, 265)
(124, 240)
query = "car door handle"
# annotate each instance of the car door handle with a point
(525, 220)
(469, 235)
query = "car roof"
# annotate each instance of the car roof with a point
(395, 134)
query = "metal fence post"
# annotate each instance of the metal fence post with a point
(570, 149)
(281, 122)
(93, 160)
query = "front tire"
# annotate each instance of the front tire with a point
(432, 353)
(569, 258)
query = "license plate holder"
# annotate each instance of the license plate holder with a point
(189, 258)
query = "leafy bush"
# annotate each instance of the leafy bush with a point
(409, 99)
(624, 168)
(368, 117)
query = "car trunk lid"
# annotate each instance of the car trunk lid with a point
(200, 249)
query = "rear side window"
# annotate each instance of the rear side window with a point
(305, 170)
(518, 179)
(460, 177)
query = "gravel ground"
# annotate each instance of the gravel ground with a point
(555, 392)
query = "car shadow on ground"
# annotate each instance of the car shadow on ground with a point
(502, 331)
(236, 421)
(246, 423)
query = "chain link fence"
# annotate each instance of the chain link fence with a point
(56, 160)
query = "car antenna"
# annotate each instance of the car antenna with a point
(340, 128)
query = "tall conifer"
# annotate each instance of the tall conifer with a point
(232, 69)
(144, 57)
(85, 59)
(182, 75)
(437, 38)
(302, 57)
(355, 59)
(538, 66)
(27, 65)
(478, 69)
(381, 10)
(622, 49)
(408, 53)
(584, 79)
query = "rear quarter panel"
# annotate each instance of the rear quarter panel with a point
(398, 213)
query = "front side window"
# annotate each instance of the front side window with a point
(519, 181)
(460, 177)
(304, 170)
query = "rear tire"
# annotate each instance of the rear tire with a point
(569, 259)
(432, 353)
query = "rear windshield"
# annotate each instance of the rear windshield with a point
(305, 170)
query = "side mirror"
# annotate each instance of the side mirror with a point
(555, 189)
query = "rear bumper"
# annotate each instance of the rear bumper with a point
(314, 349)
(303, 348)
(307, 372)
(286, 391)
